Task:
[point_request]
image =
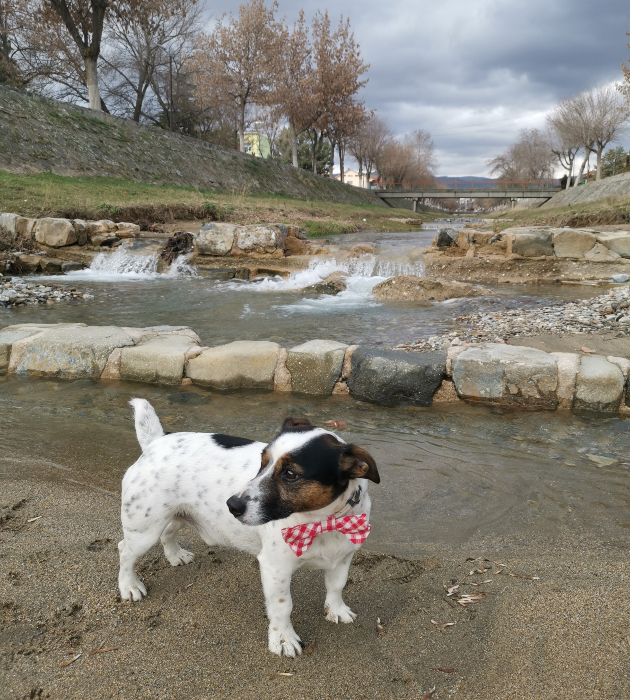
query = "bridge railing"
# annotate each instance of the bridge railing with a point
(495, 185)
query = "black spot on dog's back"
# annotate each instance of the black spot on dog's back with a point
(229, 441)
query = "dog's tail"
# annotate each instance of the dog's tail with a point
(148, 427)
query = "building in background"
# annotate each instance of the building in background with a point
(351, 177)
(257, 145)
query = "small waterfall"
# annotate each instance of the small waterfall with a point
(122, 265)
(120, 262)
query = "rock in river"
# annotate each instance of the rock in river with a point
(412, 288)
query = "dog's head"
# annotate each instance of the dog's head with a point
(303, 468)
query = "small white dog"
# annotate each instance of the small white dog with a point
(306, 481)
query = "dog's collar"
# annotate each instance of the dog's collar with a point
(354, 500)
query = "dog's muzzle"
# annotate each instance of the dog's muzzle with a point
(236, 506)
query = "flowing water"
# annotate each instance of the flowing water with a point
(459, 476)
(128, 291)
(451, 474)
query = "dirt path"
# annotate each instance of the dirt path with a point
(201, 633)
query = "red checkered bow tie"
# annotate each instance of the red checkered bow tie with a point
(300, 537)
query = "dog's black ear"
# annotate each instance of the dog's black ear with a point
(296, 424)
(357, 463)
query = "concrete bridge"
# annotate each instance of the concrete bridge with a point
(503, 189)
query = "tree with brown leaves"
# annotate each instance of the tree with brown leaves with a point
(237, 61)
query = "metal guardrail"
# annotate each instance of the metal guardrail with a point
(502, 185)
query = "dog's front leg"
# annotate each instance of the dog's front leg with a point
(336, 610)
(276, 581)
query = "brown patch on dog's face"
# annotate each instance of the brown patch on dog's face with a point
(311, 477)
(300, 494)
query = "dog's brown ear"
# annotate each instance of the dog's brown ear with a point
(296, 424)
(357, 463)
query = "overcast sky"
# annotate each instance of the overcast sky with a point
(475, 72)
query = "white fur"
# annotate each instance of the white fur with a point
(185, 479)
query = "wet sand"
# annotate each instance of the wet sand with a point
(201, 633)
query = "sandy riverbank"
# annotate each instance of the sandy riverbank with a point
(201, 633)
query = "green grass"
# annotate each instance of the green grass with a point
(126, 200)
(612, 210)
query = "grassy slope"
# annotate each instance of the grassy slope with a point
(612, 210)
(125, 200)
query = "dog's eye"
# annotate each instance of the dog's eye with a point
(289, 475)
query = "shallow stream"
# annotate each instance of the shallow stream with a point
(450, 475)
(129, 292)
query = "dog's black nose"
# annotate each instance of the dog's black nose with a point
(236, 506)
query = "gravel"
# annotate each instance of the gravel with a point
(609, 312)
(17, 292)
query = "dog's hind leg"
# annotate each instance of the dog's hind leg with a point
(134, 545)
(172, 551)
(336, 610)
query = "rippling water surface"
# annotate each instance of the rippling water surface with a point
(457, 475)
(128, 291)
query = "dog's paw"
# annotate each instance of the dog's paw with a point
(339, 613)
(284, 642)
(181, 556)
(134, 590)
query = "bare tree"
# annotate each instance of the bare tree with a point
(237, 61)
(10, 21)
(369, 143)
(422, 148)
(609, 115)
(563, 140)
(84, 20)
(138, 48)
(528, 159)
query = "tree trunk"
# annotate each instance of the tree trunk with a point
(599, 162)
(331, 162)
(294, 144)
(91, 78)
(579, 177)
(241, 128)
(341, 159)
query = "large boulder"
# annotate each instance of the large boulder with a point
(55, 233)
(295, 246)
(600, 253)
(8, 337)
(158, 360)
(261, 238)
(17, 225)
(616, 241)
(67, 351)
(315, 366)
(215, 239)
(599, 386)
(333, 285)
(572, 243)
(125, 229)
(446, 238)
(101, 227)
(529, 242)
(412, 288)
(568, 368)
(506, 375)
(394, 377)
(243, 364)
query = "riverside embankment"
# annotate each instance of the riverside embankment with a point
(41, 135)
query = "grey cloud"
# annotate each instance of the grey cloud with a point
(475, 73)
